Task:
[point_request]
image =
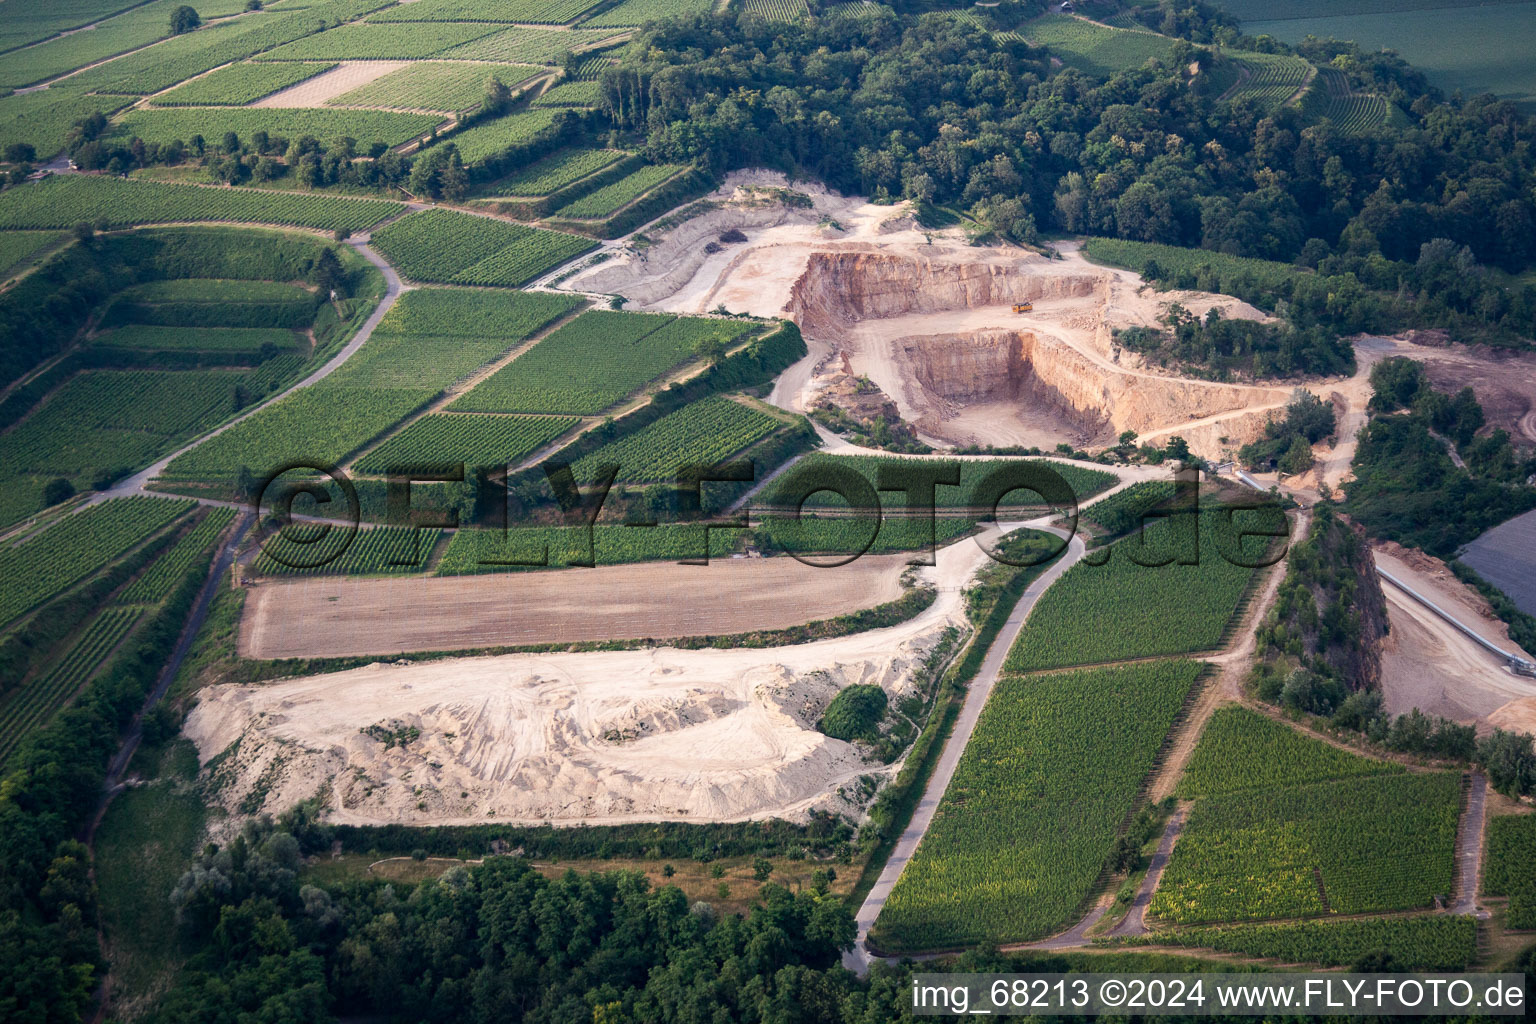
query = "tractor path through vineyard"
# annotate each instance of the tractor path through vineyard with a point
(859, 959)
(137, 483)
(1135, 922)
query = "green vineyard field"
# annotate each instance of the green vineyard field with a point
(1095, 49)
(471, 439)
(1026, 825)
(238, 84)
(460, 248)
(1431, 942)
(433, 85)
(525, 12)
(379, 42)
(1268, 79)
(555, 172)
(157, 581)
(609, 198)
(571, 94)
(632, 13)
(1509, 868)
(817, 469)
(704, 432)
(163, 124)
(196, 339)
(464, 313)
(1242, 750)
(490, 139)
(315, 550)
(527, 45)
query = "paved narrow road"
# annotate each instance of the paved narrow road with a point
(1135, 922)
(859, 958)
(1469, 847)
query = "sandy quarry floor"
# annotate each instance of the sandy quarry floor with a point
(596, 737)
(1426, 663)
(346, 617)
(314, 92)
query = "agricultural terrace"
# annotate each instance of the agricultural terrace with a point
(61, 201)
(490, 139)
(379, 42)
(1424, 942)
(18, 247)
(701, 433)
(242, 340)
(1509, 868)
(611, 198)
(162, 125)
(238, 85)
(976, 482)
(571, 94)
(595, 361)
(554, 172)
(1350, 111)
(470, 438)
(433, 85)
(462, 248)
(64, 553)
(1268, 79)
(528, 45)
(1025, 828)
(1367, 839)
(1095, 49)
(320, 550)
(1110, 607)
(400, 369)
(633, 13)
(525, 12)
(777, 10)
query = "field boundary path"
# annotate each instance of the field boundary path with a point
(859, 958)
(1135, 922)
(393, 287)
(1469, 847)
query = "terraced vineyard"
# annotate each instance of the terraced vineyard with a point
(164, 124)
(196, 339)
(589, 364)
(556, 171)
(974, 486)
(461, 313)
(19, 247)
(212, 302)
(156, 582)
(33, 704)
(1510, 867)
(571, 94)
(238, 84)
(1120, 609)
(490, 139)
(433, 85)
(1427, 942)
(1027, 822)
(379, 42)
(704, 432)
(632, 13)
(1092, 48)
(610, 198)
(525, 12)
(314, 550)
(471, 439)
(460, 248)
(528, 45)
(61, 201)
(777, 10)
(1268, 79)
(1292, 827)
(65, 553)
(1350, 111)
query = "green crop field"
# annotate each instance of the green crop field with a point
(1117, 252)
(1350, 111)
(777, 10)
(1426, 942)
(66, 552)
(590, 363)
(1474, 49)
(29, 706)
(371, 552)
(571, 94)
(35, 23)
(1027, 822)
(527, 45)
(43, 118)
(1125, 510)
(238, 85)
(461, 248)
(366, 126)
(1120, 609)
(591, 69)
(65, 200)
(525, 12)
(18, 247)
(845, 535)
(1268, 79)
(490, 139)
(433, 85)
(462, 313)
(462, 437)
(555, 171)
(1509, 868)
(526, 547)
(379, 42)
(637, 12)
(1095, 49)
(704, 432)
(157, 581)
(610, 198)
(816, 468)
(196, 339)
(1284, 823)
(211, 302)
(126, 31)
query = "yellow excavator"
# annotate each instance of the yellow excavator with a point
(1023, 307)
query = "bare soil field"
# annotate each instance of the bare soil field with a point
(340, 617)
(313, 92)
